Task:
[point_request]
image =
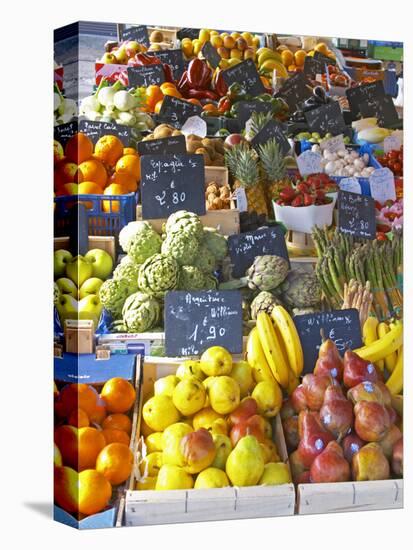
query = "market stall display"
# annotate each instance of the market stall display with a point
(228, 282)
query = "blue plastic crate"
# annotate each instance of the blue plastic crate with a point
(364, 182)
(100, 223)
(102, 520)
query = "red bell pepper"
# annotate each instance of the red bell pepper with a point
(199, 74)
(201, 94)
(224, 104)
(220, 85)
(144, 59)
(183, 84)
(169, 77)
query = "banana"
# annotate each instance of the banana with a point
(370, 331)
(395, 382)
(384, 346)
(397, 404)
(290, 338)
(293, 382)
(391, 360)
(256, 358)
(272, 349)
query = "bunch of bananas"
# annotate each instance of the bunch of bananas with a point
(274, 349)
(383, 346)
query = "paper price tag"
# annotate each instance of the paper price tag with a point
(309, 163)
(382, 185)
(392, 143)
(195, 125)
(333, 144)
(352, 185)
(241, 198)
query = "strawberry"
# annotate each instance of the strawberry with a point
(287, 193)
(308, 199)
(302, 187)
(298, 201)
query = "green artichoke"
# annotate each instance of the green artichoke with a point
(300, 289)
(215, 242)
(140, 312)
(205, 260)
(210, 282)
(113, 294)
(184, 222)
(158, 274)
(264, 301)
(267, 272)
(56, 293)
(191, 278)
(181, 246)
(128, 271)
(140, 241)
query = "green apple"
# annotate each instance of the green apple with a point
(90, 286)
(67, 307)
(102, 263)
(61, 259)
(79, 270)
(90, 308)
(67, 286)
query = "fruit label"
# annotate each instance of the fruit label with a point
(243, 248)
(176, 111)
(95, 130)
(139, 33)
(174, 59)
(341, 326)
(352, 185)
(170, 183)
(309, 163)
(365, 92)
(146, 75)
(195, 125)
(245, 74)
(272, 129)
(333, 144)
(356, 215)
(326, 118)
(382, 108)
(162, 146)
(392, 143)
(382, 186)
(195, 321)
(211, 54)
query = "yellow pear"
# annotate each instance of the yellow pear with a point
(269, 398)
(224, 394)
(171, 440)
(211, 478)
(175, 431)
(198, 451)
(189, 396)
(205, 418)
(166, 385)
(245, 463)
(275, 473)
(223, 447)
(151, 464)
(269, 451)
(146, 483)
(216, 361)
(153, 442)
(190, 368)
(159, 412)
(219, 426)
(173, 477)
(242, 373)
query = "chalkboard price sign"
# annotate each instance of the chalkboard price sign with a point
(324, 58)
(314, 66)
(139, 33)
(340, 326)
(326, 118)
(245, 74)
(294, 91)
(63, 132)
(356, 215)
(174, 59)
(95, 130)
(175, 111)
(243, 248)
(162, 146)
(272, 130)
(146, 75)
(195, 321)
(364, 92)
(246, 108)
(170, 183)
(211, 54)
(382, 108)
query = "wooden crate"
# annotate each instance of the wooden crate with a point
(157, 507)
(170, 36)
(103, 243)
(327, 498)
(218, 174)
(300, 244)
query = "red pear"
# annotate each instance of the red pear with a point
(198, 450)
(357, 370)
(330, 466)
(389, 440)
(329, 361)
(372, 421)
(336, 414)
(351, 445)
(370, 391)
(290, 428)
(254, 425)
(370, 464)
(397, 458)
(314, 437)
(248, 407)
(298, 399)
(287, 409)
(297, 466)
(392, 415)
(314, 388)
(304, 477)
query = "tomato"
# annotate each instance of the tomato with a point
(397, 167)
(381, 236)
(393, 154)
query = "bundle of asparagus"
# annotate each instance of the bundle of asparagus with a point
(342, 258)
(358, 296)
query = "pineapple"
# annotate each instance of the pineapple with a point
(258, 121)
(244, 167)
(274, 167)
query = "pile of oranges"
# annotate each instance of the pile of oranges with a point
(155, 95)
(107, 168)
(91, 444)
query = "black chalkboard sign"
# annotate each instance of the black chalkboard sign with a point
(243, 248)
(314, 66)
(146, 75)
(176, 111)
(246, 108)
(382, 108)
(173, 58)
(272, 129)
(170, 183)
(163, 146)
(364, 92)
(95, 130)
(63, 132)
(325, 58)
(340, 326)
(188, 33)
(356, 215)
(245, 74)
(211, 55)
(327, 118)
(195, 321)
(139, 33)
(294, 91)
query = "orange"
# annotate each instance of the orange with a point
(113, 435)
(265, 81)
(229, 42)
(58, 152)
(57, 456)
(77, 396)
(66, 438)
(287, 58)
(153, 95)
(321, 47)
(109, 149)
(79, 148)
(118, 421)
(66, 172)
(89, 188)
(167, 85)
(127, 181)
(194, 101)
(209, 107)
(119, 395)
(115, 463)
(129, 164)
(299, 57)
(157, 108)
(94, 492)
(129, 151)
(66, 492)
(172, 92)
(99, 414)
(90, 443)
(78, 418)
(67, 189)
(113, 189)
(92, 170)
